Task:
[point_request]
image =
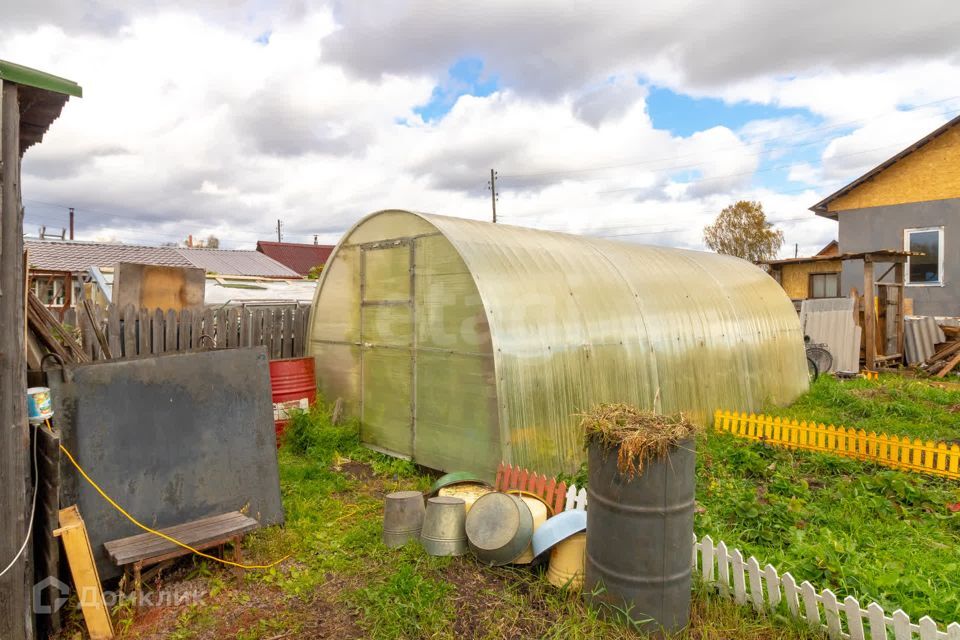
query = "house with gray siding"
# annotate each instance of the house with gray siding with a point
(910, 202)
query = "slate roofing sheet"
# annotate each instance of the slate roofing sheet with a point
(73, 255)
(237, 263)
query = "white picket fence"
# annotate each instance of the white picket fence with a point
(746, 582)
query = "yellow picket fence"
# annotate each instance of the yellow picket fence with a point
(936, 458)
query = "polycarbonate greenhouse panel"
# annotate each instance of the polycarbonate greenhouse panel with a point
(513, 332)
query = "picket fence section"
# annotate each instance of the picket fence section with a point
(129, 332)
(764, 588)
(937, 458)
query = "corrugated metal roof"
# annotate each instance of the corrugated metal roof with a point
(237, 263)
(299, 257)
(75, 255)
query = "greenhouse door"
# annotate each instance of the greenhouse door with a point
(386, 342)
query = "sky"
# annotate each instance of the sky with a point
(633, 121)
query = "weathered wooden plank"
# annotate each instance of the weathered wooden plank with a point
(148, 545)
(156, 332)
(256, 338)
(276, 334)
(196, 329)
(170, 331)
(233, 328)
(220, 327)
(130, 322)
(184, 326)
(208, 335)
(145, 335)
(114, 336)
(87, 338)
(244, 327)
(286, 343)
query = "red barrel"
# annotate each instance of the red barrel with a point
(293, 385)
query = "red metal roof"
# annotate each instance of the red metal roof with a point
(299, 257)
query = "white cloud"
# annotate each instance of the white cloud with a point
(190, 125)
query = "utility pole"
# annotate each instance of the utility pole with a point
(279, 236)
(492, 185)
(71, 223)
(796, 249)
(315, 238)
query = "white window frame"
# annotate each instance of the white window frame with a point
(906, 247)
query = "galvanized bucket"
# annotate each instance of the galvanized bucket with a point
(443, 527)
(402, 517)
(499, 527)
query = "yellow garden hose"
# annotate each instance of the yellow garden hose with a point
(154, 531)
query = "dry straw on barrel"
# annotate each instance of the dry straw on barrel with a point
(638, 435)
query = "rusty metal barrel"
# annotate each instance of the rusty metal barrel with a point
(293, 385)
(640, 537)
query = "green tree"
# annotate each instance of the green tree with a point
(742, 230)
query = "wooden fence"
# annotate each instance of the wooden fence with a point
(129, 332)
(764, 588)
(937, 458)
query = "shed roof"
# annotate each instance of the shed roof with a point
(299, 257)
(564, 321)
(76, 255)
(237, 263)
(42, 96)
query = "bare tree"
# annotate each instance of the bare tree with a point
(742, 230)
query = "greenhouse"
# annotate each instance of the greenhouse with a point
(461, 343)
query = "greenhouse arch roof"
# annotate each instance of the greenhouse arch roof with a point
(575, 320)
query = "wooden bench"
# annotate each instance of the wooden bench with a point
(147, 549)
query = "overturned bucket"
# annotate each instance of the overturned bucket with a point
(403, 514)
(499, 527)
(443, 531)
(540, 512)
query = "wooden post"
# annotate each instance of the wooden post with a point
(16, 620)
(898, 278)
(869, 317)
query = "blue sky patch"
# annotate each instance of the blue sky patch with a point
(465, 77)
(263, 38)
(683, 115)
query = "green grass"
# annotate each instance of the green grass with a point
(919, 408)
(856, 528)
(333, 528)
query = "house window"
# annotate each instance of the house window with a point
(926, 269)
(824, 285)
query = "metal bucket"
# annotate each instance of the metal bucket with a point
(567, 561)
(641, 537)
(293, 385)
(443, 531)
(468, 492)
(499, 527)
(38, 404)
(402, 517)
(538, 509)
